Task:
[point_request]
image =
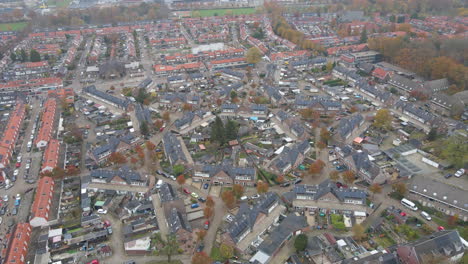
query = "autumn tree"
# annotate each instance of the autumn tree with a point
(229, 199)
(334, 175)
(280, 179)
(150, 146)
(187, 107)
(171, 247)
(180, 180)
(166, 116)
(321, 145)
(253, 55)
(262, 187)
(226, 251)
(208, 212)
(238, 190)
(210, 202)
(201, 234)
(348, 176)
(383, 119)
(399, 188)
(316, 167)
(325, 135)
(117, 158)
(72, 170)
(158, 124)
(359, 232)
(452, 220)
(201, 258)
(375, 188)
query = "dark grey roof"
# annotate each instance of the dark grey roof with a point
(188, 117)
(380, 257)
(415, 110)
(123, 172)
(273, 92)
(142, 113)
(227, 167)
(177, 221)
(347, 125)
(436, 85)
(298, 129)
(229, 106)
(167, 193)
(173, 148)
(247, 215)
(112, 144)
(107, 97)
(183, 97)
(233, 73)
(282, 116)
(363, 164)
(290, 154)
(404, 83)
(258, 107)
(290, 224)
(145, 83)
(175, 78)
(325, 187)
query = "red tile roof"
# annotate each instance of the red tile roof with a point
(10, 135)
(43, 200)
(51, 155)
(35, 64)
(380, 73)
(33, 83)
(47, 122)
(18, 244)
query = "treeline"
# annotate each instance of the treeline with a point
(108, 15)
(283, 29)
(429, 58)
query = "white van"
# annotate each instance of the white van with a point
(409, 204)
(244, 198)
(159, 184)
(426, 216)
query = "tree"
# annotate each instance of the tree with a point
(208, 212)
(201, 258)
(72, 170)
(348, 176)
(187, 107)
(315, 168)
(23, 56)
(171, 246)
(229, 199)
(375, 188)
(280, 179)
(178, 169)
(150, 146)
(364, 36)
(217, 131)
(117, 158)
(300, 242)
(359, 232)
(334, 175)
(210, 202)
(166, 116)
(201, 234)
(180, 180)
(432, 135)
(13, 56)
(383, 119)
(231, 130)
(325, 135)
(399, 188)
(455, 150)
(452, 220)
(238, 190)
(262, 187)
(144, 129)
(431, 258)
(233, 95)
(226, 251)
(253, 55)
(34, 56)
(158, 124)
(321, 145)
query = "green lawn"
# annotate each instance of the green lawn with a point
(216, 254)
(59, 3)
(385, 241)
(17, 26)
(222, 12)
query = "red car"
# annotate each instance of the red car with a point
(94, 261)
(207, 225)
(187, 191)
(18, 164)
(441, 228)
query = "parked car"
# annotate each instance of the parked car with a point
(200, 248)
(109, 230)
(244, 198)
(102, 211)
(229, 218)
(195, 195)
(186, 191)
(205, 186)
(426, 216)
(14, 211)
(285, 184)
(255, 196)
(297, 181)
(5, 197)
(207, 224)
(201, 199)
(16, 172)
(3, 210)
(18, 164)
(195, 205)
(459, 173)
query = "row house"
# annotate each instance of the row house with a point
(47, 49)
(17, 244)
(376, 95)
(287, 55)
(71, 53)
(413, 111)
(193, 119)
(130, 43)
(66, 95)
(51, 156)
(348, 125)
(123, 104)
(32, 86)
(307, 64)
(273, 93)
(168, 42)
(327, 196)
(292, 124)
(347, 49)
(179, 98)
(164, 70)
(42, 202)
(234, 75)
(173, 149)
(323, 105)
(257, 43)
(225, 174)
(47, 123)
(27, 70)
(11, 133)
(123, 176)
(227, 63)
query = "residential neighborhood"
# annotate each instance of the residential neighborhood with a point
(262, 132)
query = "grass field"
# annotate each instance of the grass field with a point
(222, 12)
(12, 26)
(59, 3)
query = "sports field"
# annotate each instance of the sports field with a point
(222, 12)
(12, 26)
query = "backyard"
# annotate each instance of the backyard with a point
(222, 12)
(59, 3)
